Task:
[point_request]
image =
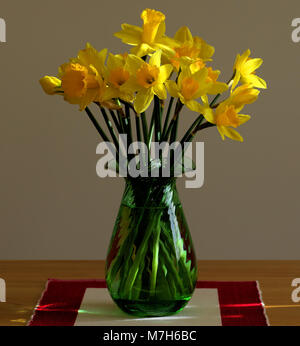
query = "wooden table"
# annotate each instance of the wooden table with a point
(25, 281)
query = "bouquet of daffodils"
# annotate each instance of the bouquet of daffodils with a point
(123, 86)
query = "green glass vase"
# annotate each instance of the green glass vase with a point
(151, 267)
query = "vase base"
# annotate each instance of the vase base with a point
(151, 308)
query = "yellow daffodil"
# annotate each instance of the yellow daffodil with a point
(147, 79)
(190, 49)
(117, 77)
(81, 79)
(241, 96)
(226, 116)
(81, 85)
(245, 69)
(51, 85)
(191, 86)
(150, 37)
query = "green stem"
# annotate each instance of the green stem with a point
(171, 266)
(97, 126)
(151, 131)
(138, 128)
(138, 282)
(174, 131)
(115, 120)
(157, 119)
(178, 108)
(121, 121)
(167, 239)
(110, 128)
(118, 260)
(128, 122)
(140, 255)
(204, 126)
(187, 136)
(170, 286)
(145, 127)
(167, 116)
(155, 259)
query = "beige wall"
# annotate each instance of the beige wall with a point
(52, 204)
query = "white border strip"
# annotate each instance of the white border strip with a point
(38, 303)
(262, 302)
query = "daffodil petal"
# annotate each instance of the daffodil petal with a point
(255, 81)
(184, 35)
(155, 59)
(143, 100)
(133, 63)
(108, 94)
(114, 62)
(130, 34)
(209, 115)
(204, 99)
(243, 58)
(88, 98)
(161, 29)
(90, 56)
(236, 80)
(231, 133)
(160, 91)
(243, 118)
(172, 88)
(194, 106)
(130, 86)
(164, 73)
(252, 64)
(217, 88)
(142, 50)
(201, 75)
(220, 129)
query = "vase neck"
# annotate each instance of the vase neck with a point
(150, 192)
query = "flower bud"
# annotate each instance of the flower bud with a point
(50, 84)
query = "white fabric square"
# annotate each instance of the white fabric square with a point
(98, 309)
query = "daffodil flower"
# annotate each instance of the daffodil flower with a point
(147, 79)
(245, 69)
(226, 116)
(189, 49)
(81, 79)
(241, 96)
(150, 37)
(117, 77)
(191, 86)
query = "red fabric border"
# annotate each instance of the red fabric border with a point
(240, 302)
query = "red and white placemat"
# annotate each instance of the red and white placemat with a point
(87, 303)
